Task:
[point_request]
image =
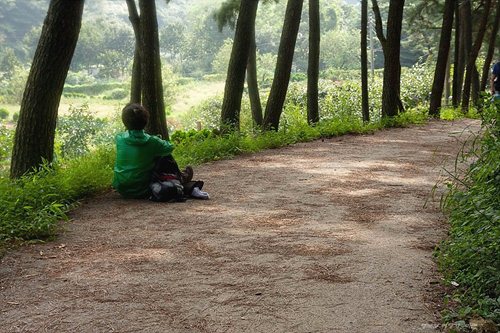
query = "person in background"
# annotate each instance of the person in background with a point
(144, 166)
(495, 81)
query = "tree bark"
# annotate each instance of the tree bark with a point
(491, 49)
(152, 86)
(442, 59)
(471, 81)
(364, 61)
(34, 137)
(281, 78)
(252, 82)
(313, 65)
(233, 91)
(135, 84)
(459, 60)
(391, 46)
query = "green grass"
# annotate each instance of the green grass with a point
(470, 257)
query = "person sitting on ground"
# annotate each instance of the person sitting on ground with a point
(145, 167)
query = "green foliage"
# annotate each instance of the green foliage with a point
(470, 257)
(79, 131)
(6, 137)
(34, 205)
(95, 89)
(4, 113)
(117, 94)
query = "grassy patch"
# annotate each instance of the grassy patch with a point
(470, 257)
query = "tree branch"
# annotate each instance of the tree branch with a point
(378, 23)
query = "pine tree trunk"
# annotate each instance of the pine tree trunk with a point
(233, 91)
(442, 60)
(34, 137)
(252, 82)
(135, 84)
(313, 62)
(459, 61)
(282, 72)
(152, 86)
(391, 103)
(471, 82)
(364, 61)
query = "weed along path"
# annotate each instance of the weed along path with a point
(327, 236)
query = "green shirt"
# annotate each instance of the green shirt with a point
(135, 159)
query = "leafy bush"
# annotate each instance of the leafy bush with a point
(4, 113)
(79, 131)
(470, 257)
(116, 94)
(15, 117)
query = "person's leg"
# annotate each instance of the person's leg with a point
(168, 165)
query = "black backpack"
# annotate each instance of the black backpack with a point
(167, 191)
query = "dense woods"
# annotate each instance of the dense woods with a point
(305, 63)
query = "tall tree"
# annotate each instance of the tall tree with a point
(281, 78)
(459, 60)
(152, 87)
(34, 138)
(471, 70)
(491, 48)
(135, 85)
(364, 61)
(252, 82)
(442, 60)
(313, 65)
(231, 104)
(391, 47)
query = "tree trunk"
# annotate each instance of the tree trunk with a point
(491, 49)
(459, 60)
(135, 84)
(364, 61)
(233, 91)
(152, 86)
(34, 137)
(313, 65)
(471, 75)
(281, 78)
(391, 102)
(252, 82)
(442, 59)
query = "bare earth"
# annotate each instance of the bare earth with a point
(326, 236)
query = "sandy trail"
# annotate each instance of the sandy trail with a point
(326, 236)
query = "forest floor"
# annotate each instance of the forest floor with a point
(335, 235)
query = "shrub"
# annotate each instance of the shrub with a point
(15, 117)
(4, 114)
(470, 257)
(79, 131)
(117, 93)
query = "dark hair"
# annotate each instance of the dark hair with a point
(135, 116)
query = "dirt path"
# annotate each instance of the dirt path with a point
(318, 237)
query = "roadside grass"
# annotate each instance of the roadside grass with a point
(470, 257)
